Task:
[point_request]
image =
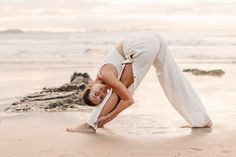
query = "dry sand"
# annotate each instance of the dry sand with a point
(149, 128)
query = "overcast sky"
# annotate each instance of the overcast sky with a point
(79, 15)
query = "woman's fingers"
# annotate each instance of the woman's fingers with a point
(102, 119)
(105, 119)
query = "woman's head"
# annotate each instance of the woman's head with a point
(94, 94)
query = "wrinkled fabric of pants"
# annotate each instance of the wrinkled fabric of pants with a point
(176, 87)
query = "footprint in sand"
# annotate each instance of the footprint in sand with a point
(196, 149)
(226, 151)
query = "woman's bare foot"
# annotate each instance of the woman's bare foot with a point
(208, 125)
(85, 128)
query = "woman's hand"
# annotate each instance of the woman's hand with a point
(105, 119)
(123, 104)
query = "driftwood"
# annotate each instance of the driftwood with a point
(64, 98)
(197, 72)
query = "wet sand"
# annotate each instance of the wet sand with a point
(43, 134)
(149, 128)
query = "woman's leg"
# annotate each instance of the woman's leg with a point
(178, 90)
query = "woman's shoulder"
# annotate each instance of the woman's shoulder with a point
(107, 70)
(108, 75)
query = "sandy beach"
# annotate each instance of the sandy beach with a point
(43, 134)
(149, 128)
(45, 45)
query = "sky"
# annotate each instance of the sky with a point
(83, 15)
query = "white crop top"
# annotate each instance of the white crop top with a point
(113, 57)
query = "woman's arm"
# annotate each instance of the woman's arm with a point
(120, 89)
(113, 101)
(122, 105)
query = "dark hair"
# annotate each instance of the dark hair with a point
(85, 97)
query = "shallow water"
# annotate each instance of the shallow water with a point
(67, 48)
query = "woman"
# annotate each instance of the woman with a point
(121, 73)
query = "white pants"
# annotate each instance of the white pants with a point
(178, 90)
(176, 87)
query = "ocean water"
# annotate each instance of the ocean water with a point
(89, 48)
